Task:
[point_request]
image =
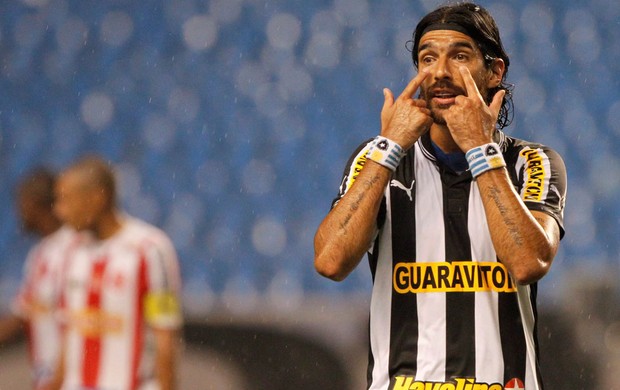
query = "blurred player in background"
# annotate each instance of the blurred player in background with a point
(35, 307)
(120, 299)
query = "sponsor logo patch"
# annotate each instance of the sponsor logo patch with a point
(91, 322)
(535, 175)
(409, 383)
(356, 168)
(457, 276)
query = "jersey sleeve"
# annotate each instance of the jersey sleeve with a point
(162, 307)
(543, 182)
(354, 166)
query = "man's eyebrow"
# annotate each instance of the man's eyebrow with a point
(463, 44)
(458, 44)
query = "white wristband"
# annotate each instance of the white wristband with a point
(484, 158)
(385, 152)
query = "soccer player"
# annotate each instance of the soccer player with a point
(460, 220)
(34, 309)
(120, 297)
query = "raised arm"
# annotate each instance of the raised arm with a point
(346, 233)
(526, 242)
(348, 230)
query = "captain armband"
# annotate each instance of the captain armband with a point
(385, 152)
(484, 158)
(162, 307)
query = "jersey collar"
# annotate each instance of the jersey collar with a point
(428, 151)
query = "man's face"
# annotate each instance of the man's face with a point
(441, 53)
(77, 204)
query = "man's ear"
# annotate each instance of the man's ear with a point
(497, 69)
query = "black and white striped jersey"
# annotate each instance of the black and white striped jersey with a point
(444, 310)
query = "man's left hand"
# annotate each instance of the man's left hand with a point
(470, 121)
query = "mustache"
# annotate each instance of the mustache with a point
(443, 86)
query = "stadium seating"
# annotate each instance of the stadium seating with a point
(229, 121)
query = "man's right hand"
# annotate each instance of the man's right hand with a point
(405, 119)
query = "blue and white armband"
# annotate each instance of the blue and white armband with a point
(385, 152)
(484, 158)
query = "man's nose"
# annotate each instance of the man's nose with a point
(442, 69)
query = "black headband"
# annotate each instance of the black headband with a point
(445, 26)
(461, 29)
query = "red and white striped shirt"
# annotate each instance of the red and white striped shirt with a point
(116, 291)
(38, 299)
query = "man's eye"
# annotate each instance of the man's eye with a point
(427, 59)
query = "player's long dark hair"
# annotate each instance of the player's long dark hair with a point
(480, 26)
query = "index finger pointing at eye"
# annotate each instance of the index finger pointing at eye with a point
(470, 84)
(414, 84)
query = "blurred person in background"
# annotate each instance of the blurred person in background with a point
(121, 296)
(459, 220)
(34, 309)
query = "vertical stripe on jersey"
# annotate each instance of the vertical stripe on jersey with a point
(404, 340)
(430, 247)
(139, 324)
(380, 307)
(513, 338)
(460, 306)
(92, 342)
(529, 323)
(489, 364)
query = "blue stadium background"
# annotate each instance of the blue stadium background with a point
(229, 121)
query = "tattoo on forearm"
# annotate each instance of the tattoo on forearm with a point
(511, 225)
(367, 184)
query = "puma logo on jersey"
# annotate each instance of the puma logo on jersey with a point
(397, 184)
